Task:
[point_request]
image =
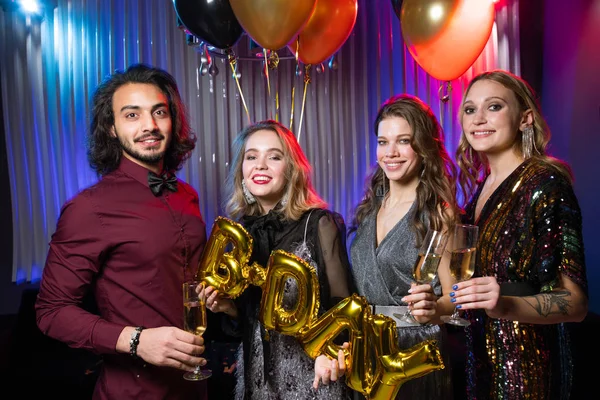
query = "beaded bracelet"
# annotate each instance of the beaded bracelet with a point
(135, 340)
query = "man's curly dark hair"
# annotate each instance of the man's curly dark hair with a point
(104, 150)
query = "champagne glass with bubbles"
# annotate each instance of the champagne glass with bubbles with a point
(194, 321)
(462, 263)
(428, 260)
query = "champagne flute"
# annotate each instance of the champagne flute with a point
(425, 268)
(194, 321)
(462, 263)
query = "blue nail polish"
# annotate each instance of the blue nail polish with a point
(453, 300)
(455, 287)
(459, 306)
(452, 294)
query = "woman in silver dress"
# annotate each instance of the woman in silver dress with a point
(411, 189)
(270, 193)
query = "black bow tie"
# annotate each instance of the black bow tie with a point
(158, 182)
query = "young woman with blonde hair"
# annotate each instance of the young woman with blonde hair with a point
(269, 190)
(530, 274)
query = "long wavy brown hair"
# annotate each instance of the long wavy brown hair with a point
(300, 192)
(104, 151)
(436, 192)
(474, 166)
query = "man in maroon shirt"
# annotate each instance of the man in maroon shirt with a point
(132, 239)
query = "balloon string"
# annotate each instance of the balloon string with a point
(306, 82)
(277, 96)
(265, 51)
(273, 63)
(292, 110)
(232, 63)
(444, 94)
(294, 83)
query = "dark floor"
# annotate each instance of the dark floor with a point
(37, 366)
(7, 323)
(34, 365)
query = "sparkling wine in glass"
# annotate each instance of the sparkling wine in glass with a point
(194, 321)
(428, 260)
(462, 263)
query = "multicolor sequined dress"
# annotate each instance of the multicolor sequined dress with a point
(530, 233)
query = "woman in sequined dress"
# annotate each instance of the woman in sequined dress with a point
(530, 273)
(411, 189)
(271, 194)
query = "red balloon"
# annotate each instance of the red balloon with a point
(445, 37)
(326, 31)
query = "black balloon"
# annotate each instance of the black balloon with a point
(397, 4)
(213, 21)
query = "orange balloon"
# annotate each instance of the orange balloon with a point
(445, 37)
(326, 31)
(272, 23)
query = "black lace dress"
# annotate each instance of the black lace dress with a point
(278, 368)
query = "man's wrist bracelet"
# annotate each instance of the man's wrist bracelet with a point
(135, 340)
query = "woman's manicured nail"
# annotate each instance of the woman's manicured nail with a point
(452, 294)
(453, 300)
(455, 287)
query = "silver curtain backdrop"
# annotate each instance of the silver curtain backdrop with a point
(50, 66)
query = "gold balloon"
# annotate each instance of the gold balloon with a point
(380, 334)
(426, 19)
(273, 315)
(367, 331)
(226, 272)
(379, 379)
(318, 337)
(400, 367)
(272, 23)
(385, 335)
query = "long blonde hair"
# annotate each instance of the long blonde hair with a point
(473, 166)
(436, 192)
(300, 193)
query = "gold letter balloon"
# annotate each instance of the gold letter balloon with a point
(224, 265)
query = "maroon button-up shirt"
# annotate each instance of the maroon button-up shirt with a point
(133, 250)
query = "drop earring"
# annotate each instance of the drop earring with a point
(527, 142)
(284, 200)
(249, 197)
(381, 190)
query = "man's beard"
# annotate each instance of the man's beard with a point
(152, 158)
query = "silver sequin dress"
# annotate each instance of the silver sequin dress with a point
(383, 275)
(277, 368)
